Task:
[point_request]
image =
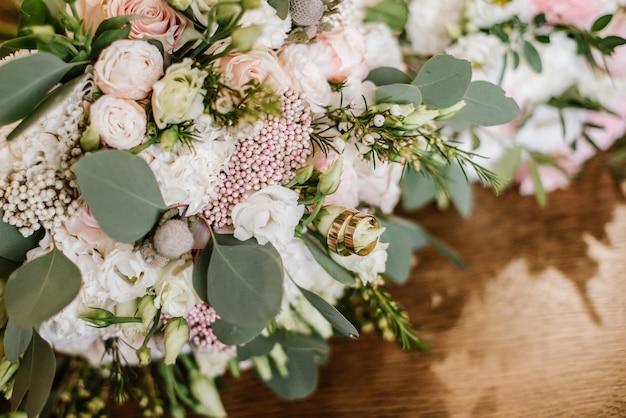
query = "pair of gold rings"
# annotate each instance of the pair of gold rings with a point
(340, 237)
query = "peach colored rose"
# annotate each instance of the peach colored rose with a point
(121, 123)
(239, 68)
(161, 22)
(340, 53)
(581, 13)
(84, 225)
(91, 11)
(127, 69)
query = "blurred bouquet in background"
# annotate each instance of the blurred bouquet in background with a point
(191, 186)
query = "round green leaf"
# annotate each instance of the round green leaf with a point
(13, 245)
(443, 80)
(259, 346)
(231, 334)
(487, 105)
(41, 288)
(399, 93)
(245, 283)
(418, 189)
(400, 251)
(460, 190)
(16, 341)
(382, 76)
(121, 192)
(302, 376)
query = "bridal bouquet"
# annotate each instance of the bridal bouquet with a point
(561, 60)
(190, 186)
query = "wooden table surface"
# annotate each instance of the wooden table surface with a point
(535, 327)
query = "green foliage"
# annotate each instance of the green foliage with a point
(532, 56)
(41, 288)
(460, 190)
(326, 262)
(507, 165)
(601, 23)
(121, 192)
(16, 341)
(13, 245)
(302, 376)
(332, 315)
(394, 13)
(24, 82)
(35, 377)
(399, 93)
(245, 283)
(400, 250)
(7, 267)
(281, 6)
(443, 80)
(259, 346)
(418, 189)
(383, 76)
(231, 334)
(540, 191)
(109, 31)
(33, 13)
(487, 105)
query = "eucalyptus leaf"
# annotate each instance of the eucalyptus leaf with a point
(460, 190)
(399, 93)
(259, 346)
(13, 245)
(332, 315)
(400, 251)
(331, 267)
(52, 101)
(487, 105)
(16, 341)
(25, 81)
(7, 267)
(121, 192)
(507, 165)
(245, 283)
(383, 76)
(301, 379)
(200, 270)
(394, 13)
(231, 334)
(532, 57)
(281, 7)
(418, 235)
(41, 288)
(418, 189)
(443, 80)
(298, 341)
(34, 376)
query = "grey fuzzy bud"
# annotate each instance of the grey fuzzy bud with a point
(306, 12)
(173, 239)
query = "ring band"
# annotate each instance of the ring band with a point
(353, 224)
(335, 236)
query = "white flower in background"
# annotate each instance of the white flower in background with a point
(379, 187)
(486, 13)
(178, 96)
(428, 24)
(368, 267)
(305, 76)
(543, 131)
(174, 290)
(485, 52)
(274, 28)
(382, 47)
(121, 123)
(271, 214)
(125, 275)
(213, 363)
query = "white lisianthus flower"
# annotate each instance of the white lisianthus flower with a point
(178, 96)
(127, 69)
(368, 267)
(125, 275)
(174, 290)
(486, 13)
(121, 123)
(274, 28)
(382, 47)
(484, 51)
(428, 24)
(271, 214)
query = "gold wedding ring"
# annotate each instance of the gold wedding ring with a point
(353, 224)
(340, 237)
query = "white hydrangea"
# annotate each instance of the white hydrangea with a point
(429, 22)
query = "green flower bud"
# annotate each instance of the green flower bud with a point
(325, 218)
(144, 355)
(176, 336)
(90, 139)
(169, 138)
(203, 389)
(98, 317)
(304, 173)
(179, 4)
(245, 38)
(329, 181)
(147, 310)
(227, 12)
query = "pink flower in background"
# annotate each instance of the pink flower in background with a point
(262, 66)
(581, 13)
(161, 22)
(340, 53)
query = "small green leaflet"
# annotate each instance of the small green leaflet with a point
(245, 283)
(16, 341)
(394, 13)
(507, 165)
(399, 93)
(532, 57)
(33, 13)
(35, 377)
(382, 76)
(601, 23)
(302, 376)
(121, 192)
(259, 346)
(24, 82)
(418, 189)
(41, 288)
(487, 105)
(332, 315)
(540, 192)
(327, 263)
(13, 245)
(281, 6)
(443, 80)
(400, 251)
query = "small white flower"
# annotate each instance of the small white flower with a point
(174, 290)
(367, 267)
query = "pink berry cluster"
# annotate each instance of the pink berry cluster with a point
(270, 157)
(201, 336)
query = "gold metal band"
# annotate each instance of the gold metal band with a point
(340, 237)
(353, 224)
(335, 237)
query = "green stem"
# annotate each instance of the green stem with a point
(155, 325)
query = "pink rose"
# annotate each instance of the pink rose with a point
(581, 13)
(127, 69)
(121, 123)
(239, 68)
(161, 22)
(91, 11)
(340, 54)
(84, 225)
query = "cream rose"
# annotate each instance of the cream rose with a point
(174, 290)
(240, 68)
(340, 53)
(161, 22)
(121, 123)
(127, 69)
(178, 96)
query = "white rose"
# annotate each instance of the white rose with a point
(380, 187)
(305, 76)
(174, 290)
(125, 275)
(270, 214)
(178, 96)
(368, 267)
(127, 69)
(121, 123)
